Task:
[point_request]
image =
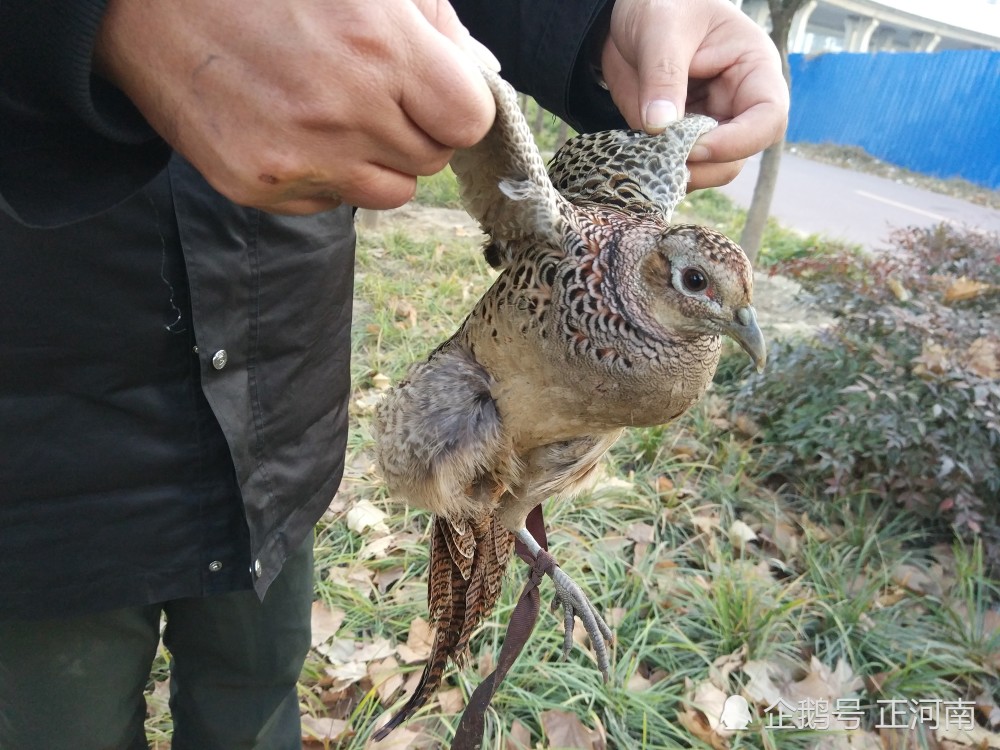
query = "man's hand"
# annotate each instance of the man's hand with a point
(665, 57)
(297, 106)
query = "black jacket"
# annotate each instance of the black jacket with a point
(174, 368)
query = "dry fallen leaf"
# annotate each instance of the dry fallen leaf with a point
(916, 580)
(933, 359)
(705, 523)
(637, 683)
(158, 702)
(346, 674)
(349, 659)
(746, 426)
(612, 485)
(784, 538)
(451, 701)
(988, 709)
(377, 548)
(615, 616)
(983, 357)
(964, 288)
(364, 515)
(325, 622)
(400, 738)
(365, 404)
(384, 578)
(740, 535)
(976, 738)
(486, 663)
(386, 678)
(639, 552)
(772, 683)
(822, 683)
(563, 729)
(322, 728)
(418, 642)
(702, 717)
(899, 291)
(404, 312)
(725, 665)
(643, 533)
(357, 577)
(519, 737)
(381, 382)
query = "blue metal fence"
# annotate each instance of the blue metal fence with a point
(937, 114)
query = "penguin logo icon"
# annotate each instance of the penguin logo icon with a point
(735, 713)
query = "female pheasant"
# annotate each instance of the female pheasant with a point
(604, 316)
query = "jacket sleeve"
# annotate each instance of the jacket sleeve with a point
(71, 145)
(546, 48)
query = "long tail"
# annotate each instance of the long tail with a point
(466, 573)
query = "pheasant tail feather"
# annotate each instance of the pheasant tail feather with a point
(467, 566)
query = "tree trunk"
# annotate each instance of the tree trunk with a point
(563, 135)
(760, 204)
(539, 120)
(782, 12)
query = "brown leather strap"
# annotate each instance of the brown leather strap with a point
(469, 735)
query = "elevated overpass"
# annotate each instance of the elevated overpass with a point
(888, 25)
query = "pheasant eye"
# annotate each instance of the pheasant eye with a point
(694, 280)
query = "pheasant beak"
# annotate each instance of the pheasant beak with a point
(745, 331)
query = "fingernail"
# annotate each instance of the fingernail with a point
(480, 52)
(659, 114)
(699, 153)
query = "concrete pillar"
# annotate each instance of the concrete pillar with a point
(758, 12)
(884, 39)
(797, 34)
(858, 33)
(866, 37)
(923, 41)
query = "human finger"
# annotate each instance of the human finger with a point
(710, 174)
(445, 94)
(750, 132)
(649, 36)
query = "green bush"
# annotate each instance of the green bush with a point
(901, 396)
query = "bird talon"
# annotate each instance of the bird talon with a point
(576, 604)
(569, 626)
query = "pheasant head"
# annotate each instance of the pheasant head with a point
(698, 282)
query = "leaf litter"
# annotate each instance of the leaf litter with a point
(359, 664)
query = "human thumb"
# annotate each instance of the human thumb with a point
(662, 87)
(662, 47)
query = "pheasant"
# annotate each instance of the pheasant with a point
(604, 316)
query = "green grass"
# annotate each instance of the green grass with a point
(440, 189)
(819, 582)
(692, 597)
(711, 208)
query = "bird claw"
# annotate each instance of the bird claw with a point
(574, 604)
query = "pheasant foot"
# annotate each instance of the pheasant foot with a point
(574, 603)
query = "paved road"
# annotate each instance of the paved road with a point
(818, 198)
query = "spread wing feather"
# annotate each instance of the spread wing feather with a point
(503, 181)
(628, 168)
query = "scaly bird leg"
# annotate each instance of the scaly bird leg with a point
(574, 602)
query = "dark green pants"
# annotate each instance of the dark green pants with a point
(77, 683)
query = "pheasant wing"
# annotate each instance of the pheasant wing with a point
(628, 168)
(503, 181)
